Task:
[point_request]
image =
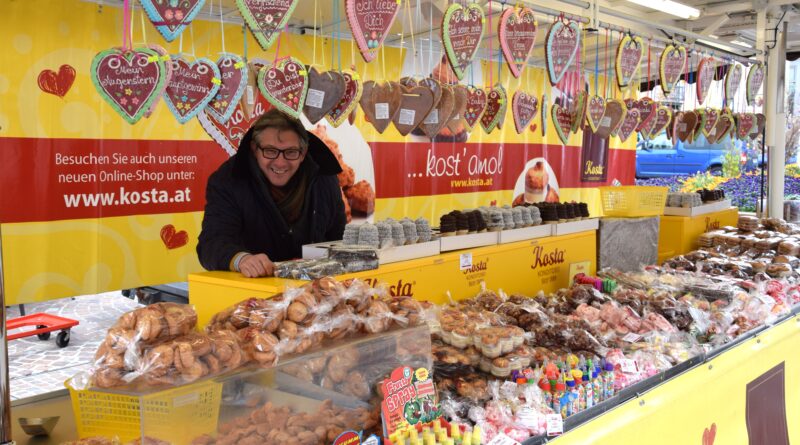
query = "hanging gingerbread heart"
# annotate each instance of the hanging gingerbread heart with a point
(745, 122)
(380, 102)
(285, 85)
(229, 135)
(349, 100)
(408, 81)
(732, 81)
(705, 75)
(647, 110)
(476, 106)
(761, 122)
(562, 119)
(671, 66)
(723, 126)
(613, 117)
(628, 125)
(191, 87)
(545, 109)
(560, 48)
(517, 37)
(629, 56)
(755, 78)
(370, 22)
(165, 57)
(415, 104)
(129, 80)
(266, 18)
(579, 110)
(440, 113)
(460, 95)
(661, 121)
(171, 17)
(496, 104)
(595, 111)
(524, 108)
(683, 125)
(710, 118)
(435, 86)
(462, 32)
(233, 72)
(325, 91)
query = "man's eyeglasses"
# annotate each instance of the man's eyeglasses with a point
(290, 154)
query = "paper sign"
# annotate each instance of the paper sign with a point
(527, 417)
(555, 424)
(433, 117)
(632, 337)
(628, 366)
(605, 122)
(409, 398)
(406, 116)
(382, 110)
(581, 267)
(502, 439)
(466, 261)
(314, 98)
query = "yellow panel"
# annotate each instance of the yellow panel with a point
(678, 234)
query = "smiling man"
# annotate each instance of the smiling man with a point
(277, 193)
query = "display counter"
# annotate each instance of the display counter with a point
(545, 264)
(678, 234)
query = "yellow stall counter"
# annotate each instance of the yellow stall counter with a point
(678, 234)
(525, 267)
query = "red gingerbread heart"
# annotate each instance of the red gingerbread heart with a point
(705, 74)
(595, 111)
(745, 122)
(629, 124)
(191, 87)
(173, 239)
(370, 21)
(517, 37)
(562, 118)
(524, 108)
(285, 85)
(495, 109)
(230, 134)
(476, 105)
(233, 72)
(462, 33)
(59, 83)
(347, 105)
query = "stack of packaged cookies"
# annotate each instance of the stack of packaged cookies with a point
(388, 233)
(563, 212)
(492, 219)
(462, 223)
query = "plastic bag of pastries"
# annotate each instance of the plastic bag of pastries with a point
(789, 247)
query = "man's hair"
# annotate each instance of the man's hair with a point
(275, 118)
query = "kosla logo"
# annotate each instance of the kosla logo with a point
(476, 267)
(400, 289)
(711, 225)
(540, 258)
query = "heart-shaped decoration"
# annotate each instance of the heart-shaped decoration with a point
(683, 125)
(191, 87)
(745, 122)
(705, 75)
(415, 104)
(460, 95)
(732, 80)
(562, 119)
(671, 66)
(613, 116)
(524, 108)
(325, 91)
(755, 78)
(544, 107)
(761, 121)
(517, 37)
(164, 56)
(647, 110)
(57, 84)
(579, 110)
(347, 104)
(440, 114)
(710, 118)
(462, 32)
(408, 82)
(370, 21)
(560, 48)
(171, 17)
(380, 102)
(435, 86)
(265, 17)
(285, 85)
(725, 124)
(496, 104)
(129, 80)
(173, 239)
(629, 55)
(710, 434)
(661, 121)
(476, 105)
(595, 111)
(229, 134)
(628, 125)
(233, 71)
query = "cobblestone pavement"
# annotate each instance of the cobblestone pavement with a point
(38, 367)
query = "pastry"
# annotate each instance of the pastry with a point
(462, 223)
(508, 219)
(368, 235)
(410, 231)
(447, 225)
(536, 180)
(361, 197)
(398, 234)
(519, 222)
(495, 223)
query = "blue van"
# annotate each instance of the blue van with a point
(659, 157)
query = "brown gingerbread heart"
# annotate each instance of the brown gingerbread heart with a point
(721, 129)
(683, 125)
(381, 102)
(455, 124)
(761, 121)
(415, 104)
(440, 113)
(612, 118)
(628, 125)
(325, 91)
(408, 82)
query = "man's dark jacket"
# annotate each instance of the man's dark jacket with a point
(241, 216)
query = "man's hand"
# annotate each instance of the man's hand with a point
(254, 266)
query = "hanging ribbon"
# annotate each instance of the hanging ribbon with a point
(126, 23)
(605, 67)
(221, 26)
(649, 90)
(491, 50)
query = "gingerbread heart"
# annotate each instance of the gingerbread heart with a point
(524, 108)
(732, 80)
(462, 32)
(325, 91)
(164, 56)
(476, 106)
(266, 18)
(595, 111)
(560, 48)
(228, 135)
(171, 18)
(130, 80)
(710, 118)
(562, 119)
(370, 22)
(460, 95)
(725, 124)
(435, 86)
(191, 87)
(647, 110)
(755, 78)
(415, 104)
(629, 55)
(628, 125)
(517, 35)
(440, 114)
(496, 104)
(761, 121)
(233, 72)
(579, 110)
(57, 84)
(745, 122)
(380, 102)
(545, 108)
(684, 124)
(347, 104)
(671, 66)
(409, 82)
(705, 75)
(661, 121)
(285, 85)
(613, 117)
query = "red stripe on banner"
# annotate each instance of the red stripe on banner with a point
(57, 179)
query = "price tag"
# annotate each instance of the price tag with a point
(251, 99)
(713, 132)
(406, 116)
(432, 117)
(632, 337)
(382, 110)
(555, 425)
(314, 98)
(502, 439)
(628, 366)
(605, 122)
(466, 261)
(682, 127)
(527, 417)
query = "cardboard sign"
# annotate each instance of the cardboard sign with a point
(409, 398)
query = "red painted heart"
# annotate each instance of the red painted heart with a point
(495, 109)
(672, 65)
(191, 87)
(370, 21)
(230, 134)
(233, 72)
(462, 32)
(732, 80)
(629, 56)
(755, 77)
(710, 434)
(173, 239)
(629, 124)
(524, 108)
(476, 105)
(705, 75)
(563, 120)
(560, 49)
(57, 84)
(647, 110)
(266, 18)
(710, 118)
(517, 37)
(352, 94)
(285, 85)
(595, 111)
